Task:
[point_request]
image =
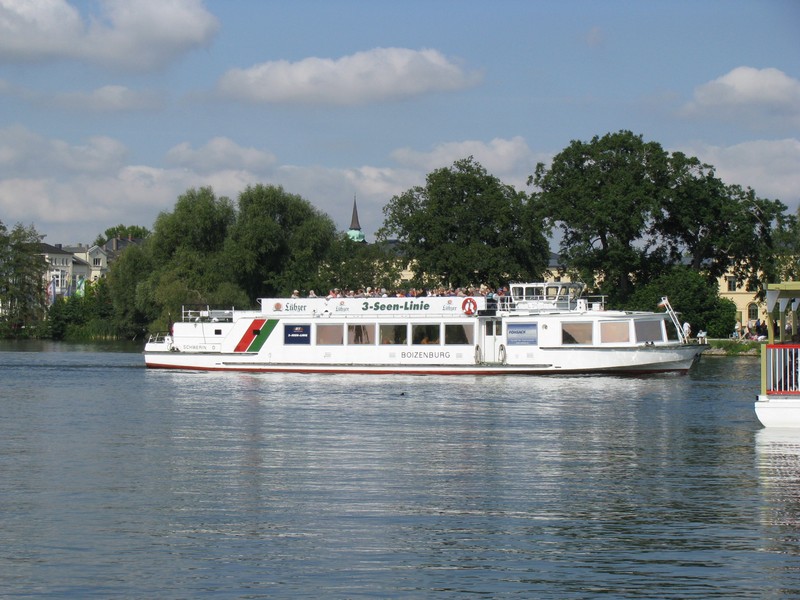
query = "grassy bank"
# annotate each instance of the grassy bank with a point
(734, 348)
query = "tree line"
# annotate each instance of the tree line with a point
(632, 220)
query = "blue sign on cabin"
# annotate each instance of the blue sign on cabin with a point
(297, 334)
(523, 334)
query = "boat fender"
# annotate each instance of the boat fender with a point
(502, 354)
(477, 354)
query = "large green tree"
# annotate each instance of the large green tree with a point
(465, 226)
(717, 228)
(278, 243)
(629, 211)
(603, 194)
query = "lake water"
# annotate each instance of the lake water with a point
(118, 482)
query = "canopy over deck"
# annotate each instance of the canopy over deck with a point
(785, 295)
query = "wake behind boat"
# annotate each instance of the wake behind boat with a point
(539, 328)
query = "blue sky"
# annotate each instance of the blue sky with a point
(111, 109)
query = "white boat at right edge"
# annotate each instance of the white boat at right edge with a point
(778, 403)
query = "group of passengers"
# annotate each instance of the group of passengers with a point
(375, 292)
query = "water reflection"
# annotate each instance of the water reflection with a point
(180, 484)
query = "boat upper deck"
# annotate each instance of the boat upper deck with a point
(523, 299)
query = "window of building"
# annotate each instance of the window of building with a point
(752, 311)
(731, 284)
(96, 262)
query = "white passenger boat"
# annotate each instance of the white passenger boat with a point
(539, 328)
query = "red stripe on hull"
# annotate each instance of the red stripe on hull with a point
(249, 336)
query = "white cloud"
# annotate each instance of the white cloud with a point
(218, 154)
(375, 75)
(137, 35)
(756, 97)
(74, 192)
(770, 167)
(109, 98)
(510, 160)
(24, 153)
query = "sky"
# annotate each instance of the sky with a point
(111, 109)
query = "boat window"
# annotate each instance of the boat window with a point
(648, 331)
(330, 335)
(494, 328)
(393, 334)
(425, 334)
(218, 332)
(459, 333)
(522, 334)
(552, 292)
(361, 334)
(533, 293)
(615, 332)
(576, 333)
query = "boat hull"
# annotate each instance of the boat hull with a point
(678, 359)
(778, 411)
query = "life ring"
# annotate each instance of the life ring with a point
(477, 354)
(469, 306)
(501, 354)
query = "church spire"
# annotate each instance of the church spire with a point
(355, 232)
(354, 224)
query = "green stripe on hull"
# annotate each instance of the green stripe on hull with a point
(262, 336)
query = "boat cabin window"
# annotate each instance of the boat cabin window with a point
(457, 333)
(218, 332)
(649, 331)
(615, 332)
(393, 334)
(494, 328)
(576, 333)
(425, 334)
(361, 334)
(330, 335)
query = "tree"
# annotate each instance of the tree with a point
(136, 232)
(691, 295)
(22, 270)
(134, 308)
(465, 226)
(199, 221)
(353, 265)
(603, 194)
(718, 228)
(278, 243)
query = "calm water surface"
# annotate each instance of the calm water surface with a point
(117, 482)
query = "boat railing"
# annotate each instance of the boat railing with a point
(780, 369)
(562, 303)
(205, 313)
